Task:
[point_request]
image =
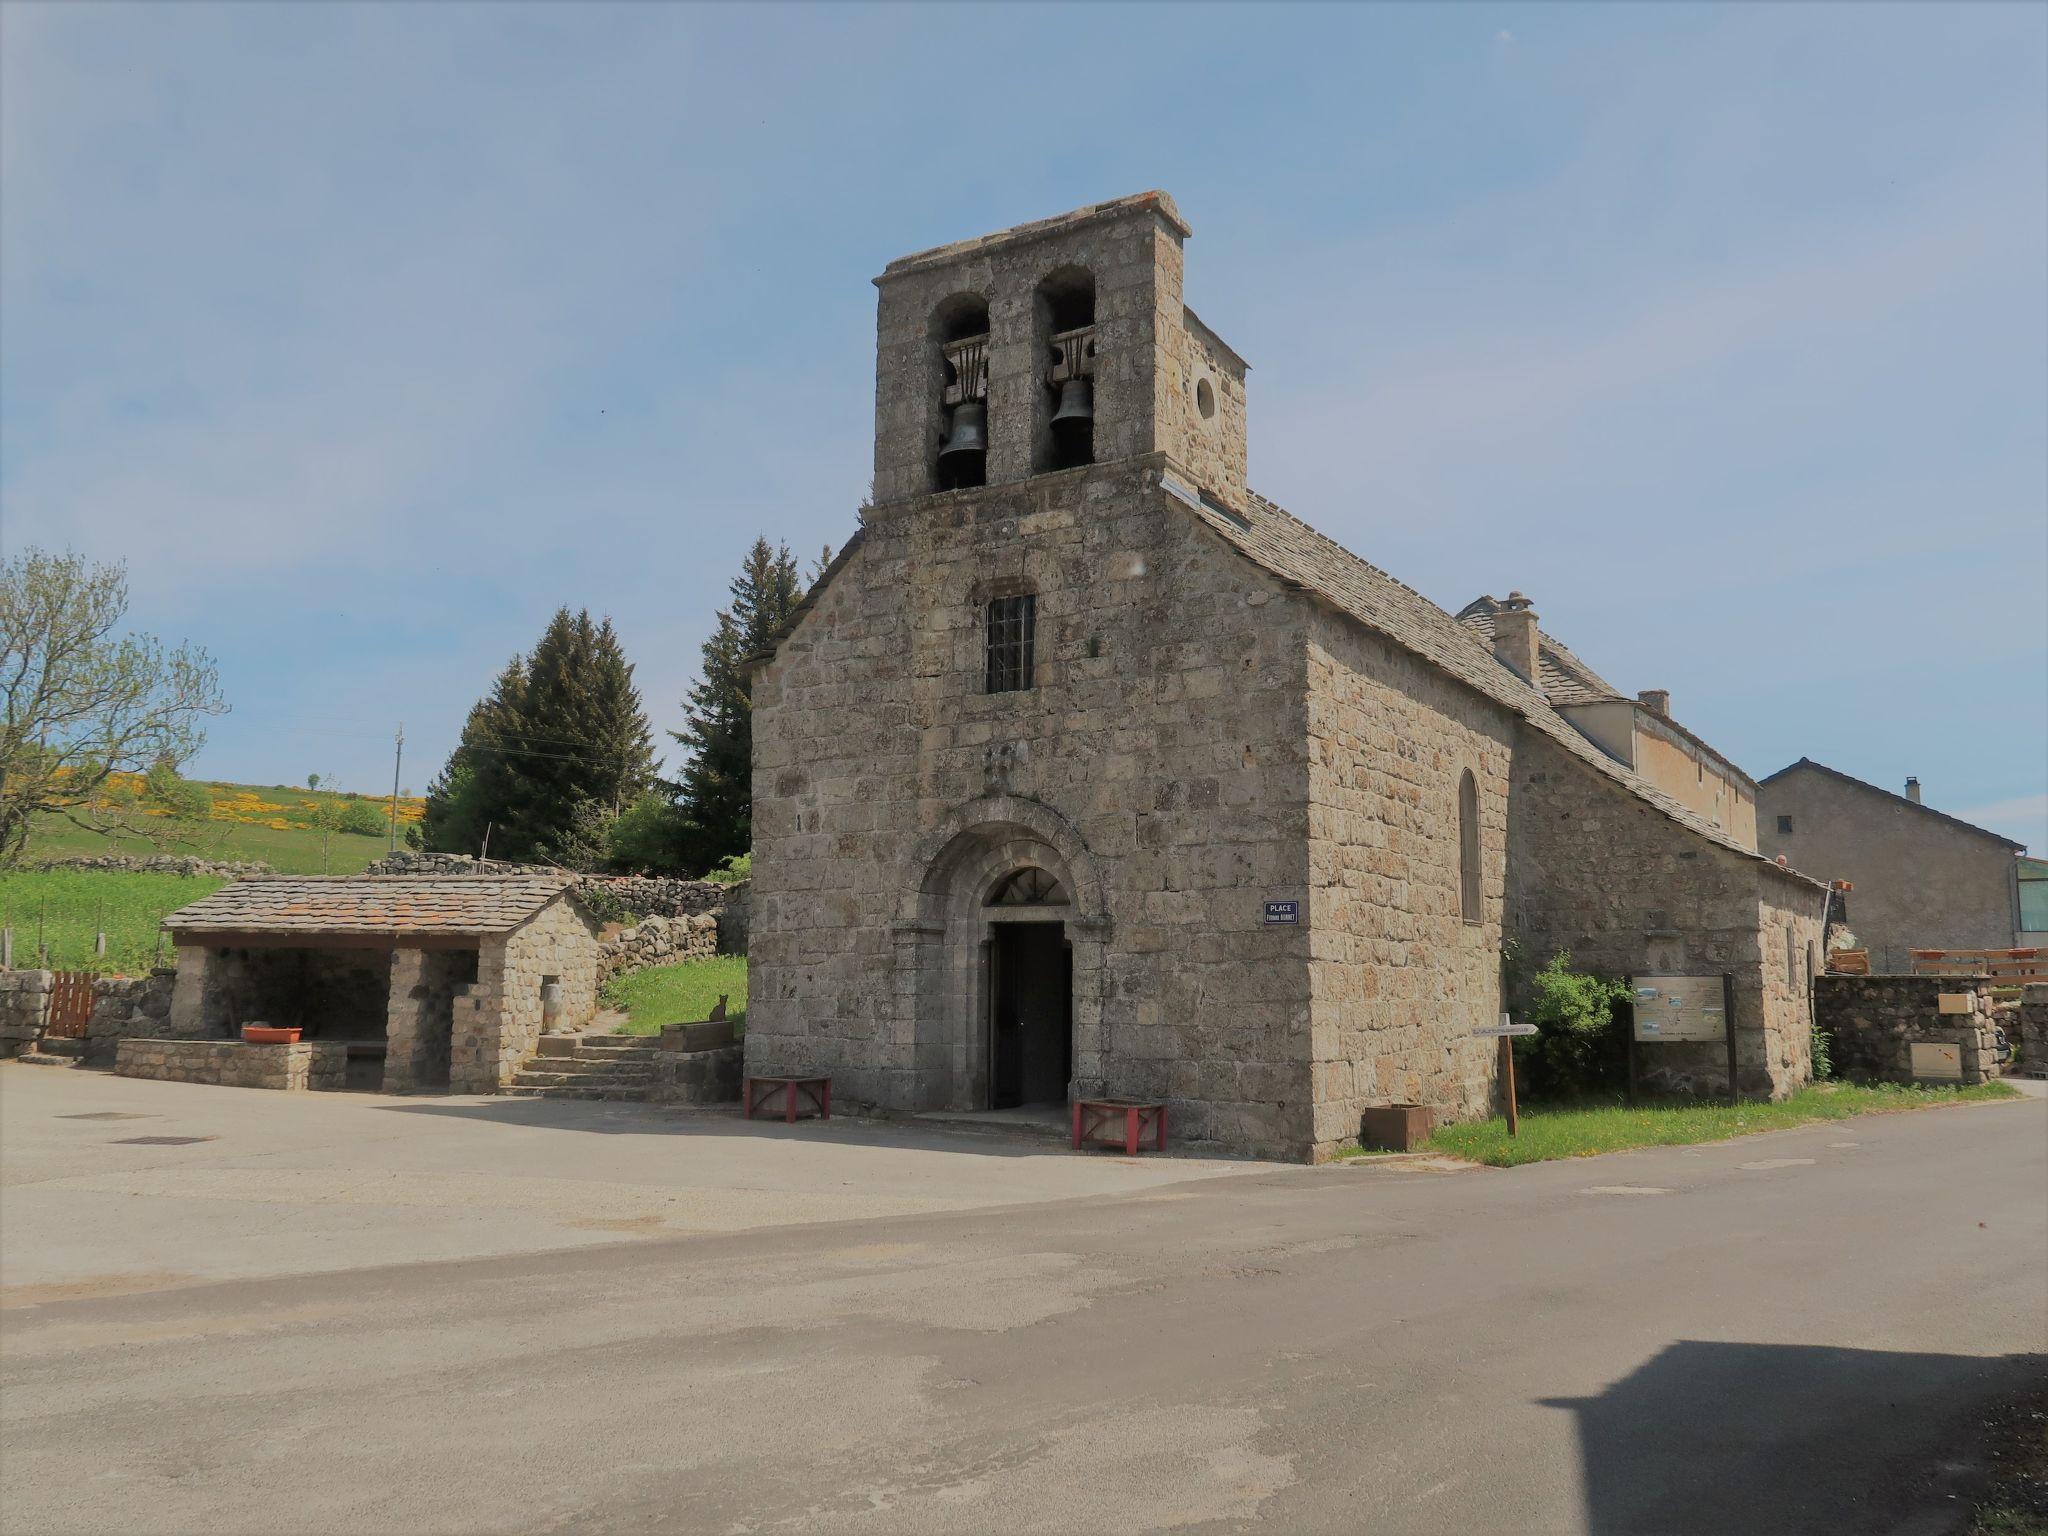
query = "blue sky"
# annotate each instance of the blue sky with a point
(367, 335)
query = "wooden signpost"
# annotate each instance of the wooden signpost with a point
(1505, 1031)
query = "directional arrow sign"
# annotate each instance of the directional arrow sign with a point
(1496, 1031)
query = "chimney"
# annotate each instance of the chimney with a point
(1913, 790)
(1656, 700)
(1514, 635)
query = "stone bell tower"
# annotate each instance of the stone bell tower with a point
(1050, 347)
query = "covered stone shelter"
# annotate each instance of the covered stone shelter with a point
(1085, 770)
(448, 981)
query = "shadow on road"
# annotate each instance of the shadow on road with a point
(629, 1119)
(1709, 1439)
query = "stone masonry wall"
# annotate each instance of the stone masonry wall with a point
(1399, 980)
(657, 941)
(123, 1006)
(1873, 1022)
(308, 1065)
(497, 1020)
(2032, 1035)
(1594, 871)
(1166, 733)
(24, 1008)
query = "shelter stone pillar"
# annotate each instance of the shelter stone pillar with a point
(405, 1013)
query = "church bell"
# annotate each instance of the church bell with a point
(968, 436)
(1076, 405)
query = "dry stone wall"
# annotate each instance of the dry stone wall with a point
(123, 1006)
(1873, 1023)
(2032, 1031)
(611, 896)
(657, 941)
(24, 1009)
(164, 864)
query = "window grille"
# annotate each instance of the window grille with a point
(1012, 626)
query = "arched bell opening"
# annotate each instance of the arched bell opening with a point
(1064, 415)
(959, 343)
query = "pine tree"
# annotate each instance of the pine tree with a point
(468, 795)
(715, 793)
(559, 748)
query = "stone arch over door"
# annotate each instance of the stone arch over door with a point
(943, 935)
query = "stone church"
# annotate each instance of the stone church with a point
(1085, 770)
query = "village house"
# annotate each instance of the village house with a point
(1085, 770)
(437, 983)
(1920, 878)
(1638, 732)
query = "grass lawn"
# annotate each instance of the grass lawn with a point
(680, 994)
(1586, 1130)
(67, 906)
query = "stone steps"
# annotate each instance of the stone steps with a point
(586, 1067)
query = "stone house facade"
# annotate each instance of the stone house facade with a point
(1086, 770)
(1921, 879)
(448, 982)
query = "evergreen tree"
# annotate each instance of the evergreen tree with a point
(559, 748)
(468, 795)
(715, 794)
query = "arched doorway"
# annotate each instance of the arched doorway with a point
(1030, 990)
(1001, 960)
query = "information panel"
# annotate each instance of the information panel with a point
(1679, 1008)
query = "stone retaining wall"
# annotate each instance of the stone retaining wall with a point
(1873, 1023)
(320, 1066)
(123, 1006)
(24, 1008)
(657, 941)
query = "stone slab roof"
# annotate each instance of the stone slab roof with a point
(1565, 678)
(1290, 549)
(372, 904)
(1811, 766)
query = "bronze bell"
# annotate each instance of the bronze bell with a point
(969, 431)
(1077, 403)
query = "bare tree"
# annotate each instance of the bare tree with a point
(80, 703)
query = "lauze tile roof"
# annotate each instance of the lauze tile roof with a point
(371, 904)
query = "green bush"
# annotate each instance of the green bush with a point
(642, 838)
(362, 818)
(185, 800)
(1578, 1047)
(735, 869)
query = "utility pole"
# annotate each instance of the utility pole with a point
(397, 757)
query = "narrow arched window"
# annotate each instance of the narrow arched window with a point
(1063, 429)
(959, 335)
(1468, 846)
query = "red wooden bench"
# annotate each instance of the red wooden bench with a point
(1093, 1116)
(794, 1089)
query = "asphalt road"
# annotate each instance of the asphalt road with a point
(1784, 1333)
